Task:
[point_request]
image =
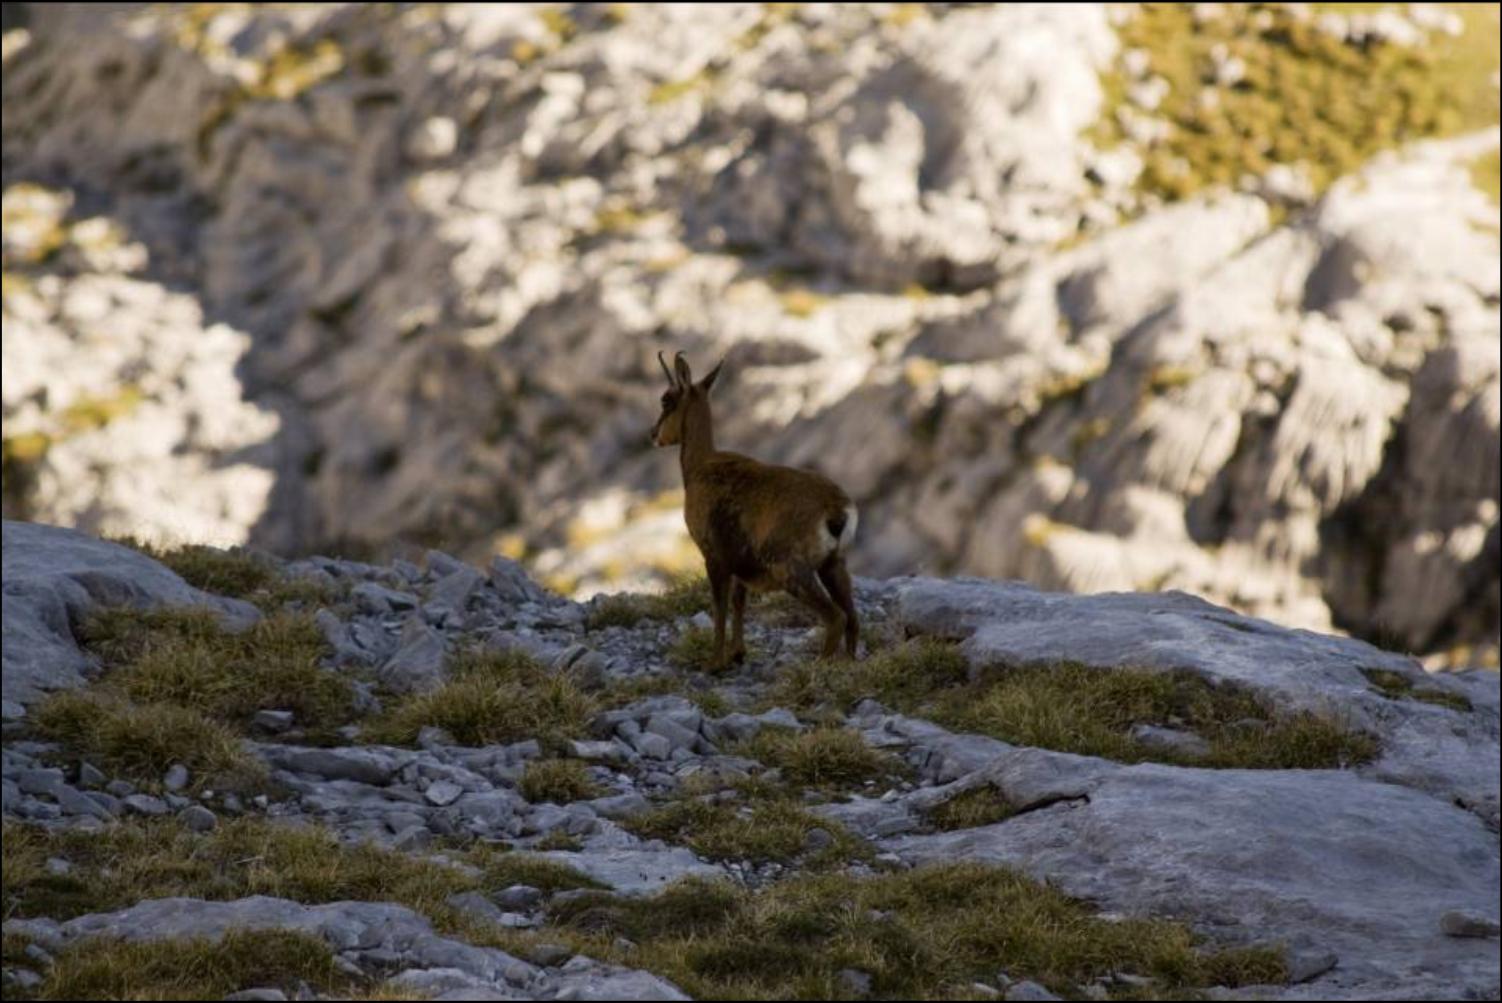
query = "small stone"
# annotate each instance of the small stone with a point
(1029, 991)
(442, 792)
(854, 982)
(198, 818)
(257, 994)
(273, 721)
(1306, 965)
(1467, 923)
(549, 955)
(23, 979)
(120, 788)
(983, 991)
(90, 775)
(39, 781)
(145, 804)
(176, 778)
(38, 954)
(58, 867)
(653, 746)
(518, 897)
(817, 839)
(76, 802)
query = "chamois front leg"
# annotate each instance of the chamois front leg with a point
(804, 584)
(719, 593)
(737, 620)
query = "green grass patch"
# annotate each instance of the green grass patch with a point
(1303, 95)
(983, 805)
(684, 596)
(927, 933)
(821, 757)
(558, 780)
(493, 698)
(198, 969)
(1397, 686)
(126, 863)
(1074, 708)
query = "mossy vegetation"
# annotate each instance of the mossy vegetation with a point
(928, 933)
(1397, 686)
(1075, 708)
(693, 648)
(1251, 86)
(129, 862)
(493, 698)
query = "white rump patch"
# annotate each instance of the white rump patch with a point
(836, 543)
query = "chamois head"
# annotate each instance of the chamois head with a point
(682, 393)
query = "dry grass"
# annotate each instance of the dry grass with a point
(1074, 708)
(767, 826)
(103, 969)
(983, 805)
(493, 698)
(1396, 686)
(129, 862)
(685, 596)
(558, 780)
(235, 572)
(821, 757)
(922, 934)
(141, 741)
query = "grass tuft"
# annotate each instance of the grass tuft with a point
(1397, 686)
(493, 698)
(983, 805)
(771, 828)
(141, 741)
(558, 780)
(821, 757)
(183, 657)
(235, 572)
(684, 596)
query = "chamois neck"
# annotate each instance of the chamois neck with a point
(698, 436)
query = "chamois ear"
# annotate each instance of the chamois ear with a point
(680, 366)
(708, 381)
(672, 380)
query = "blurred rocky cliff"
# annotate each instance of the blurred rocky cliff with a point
(1197, 297)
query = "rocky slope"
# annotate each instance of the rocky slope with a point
(1049, 289)
(1373, 869)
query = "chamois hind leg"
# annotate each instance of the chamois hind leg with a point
(804, 585)
(719, 590)
(836, 580)
(737, 620)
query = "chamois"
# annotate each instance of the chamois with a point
(759, 526)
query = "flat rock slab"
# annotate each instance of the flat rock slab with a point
(53, 577)
(1312, 858)
(635, 871)
(1452, 753)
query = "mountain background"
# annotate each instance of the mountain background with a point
(1103, 297)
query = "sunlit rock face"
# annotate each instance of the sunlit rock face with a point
(401, 275)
